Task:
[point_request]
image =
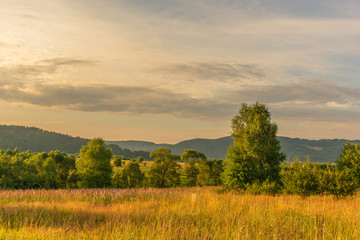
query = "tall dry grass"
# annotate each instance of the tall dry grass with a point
(195, 213)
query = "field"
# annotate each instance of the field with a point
(192, 213)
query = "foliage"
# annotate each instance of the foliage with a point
(164, 172)
(301, 178)
(94, 167)
(190, 154)
(128, 154)
(266, 187)
(307, 179)
(340, 183)
(129, 177)
(140, 159)
(117, 161)
(192, 159)
(256, 154)
(349, 159)
(210, 172)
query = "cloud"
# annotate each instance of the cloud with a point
(311, 92)
(297, 113)
(222, 72)
(118, 99)
(303, 100)
(23, 73)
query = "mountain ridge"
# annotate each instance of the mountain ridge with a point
(39, 140)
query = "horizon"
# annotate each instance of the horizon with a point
(172, 143)
(166, 71)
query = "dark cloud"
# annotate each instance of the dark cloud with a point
(112, 98)
(212, 71)
(308, 99)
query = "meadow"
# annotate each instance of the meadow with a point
(175, 213)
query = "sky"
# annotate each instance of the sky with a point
(172, 70)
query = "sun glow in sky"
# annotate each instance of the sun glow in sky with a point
(166, 70)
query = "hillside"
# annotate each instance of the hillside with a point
(38, 140)
(324, 150)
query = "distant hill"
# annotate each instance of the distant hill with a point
(324, 150)
(38, 140)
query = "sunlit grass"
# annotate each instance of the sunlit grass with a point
(195, 213)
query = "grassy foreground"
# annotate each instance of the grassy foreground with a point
(195, 213)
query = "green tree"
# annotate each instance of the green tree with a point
(48, 173)
(210, 172)
(164, 172)
(140, 159)
(117, 161)
(300, 178)
(255, 155)
(190, 154)
(340, 183)
(349, 159)
(129, 177)
(93, 167)
(191, 168)
(64, 165)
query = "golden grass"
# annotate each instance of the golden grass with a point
(193, 213)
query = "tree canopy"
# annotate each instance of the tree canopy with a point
(94, 166)
(164, 172)
(255, 155)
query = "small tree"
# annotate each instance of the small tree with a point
(129, 177)
(93, 167)
(349, 159)
(210, 172)
(164, 172)
(301, 178)
(140, 159)
(191, 168)
(64, 164)
(191, 171)
(117, 161)
(255, 155)
(340, 183)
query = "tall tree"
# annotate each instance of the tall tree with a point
(164, 172)
(94, 166)
(255, 155)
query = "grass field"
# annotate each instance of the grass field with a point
(193, 213)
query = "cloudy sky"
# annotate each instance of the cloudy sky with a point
(166, 70)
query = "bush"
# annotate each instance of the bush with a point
(301, 178)
(340, 183)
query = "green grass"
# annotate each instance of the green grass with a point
(193, 213)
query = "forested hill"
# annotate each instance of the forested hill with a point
(38, 140)
(318, 150)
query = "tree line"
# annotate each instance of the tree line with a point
(253, 164)
(95, 169)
